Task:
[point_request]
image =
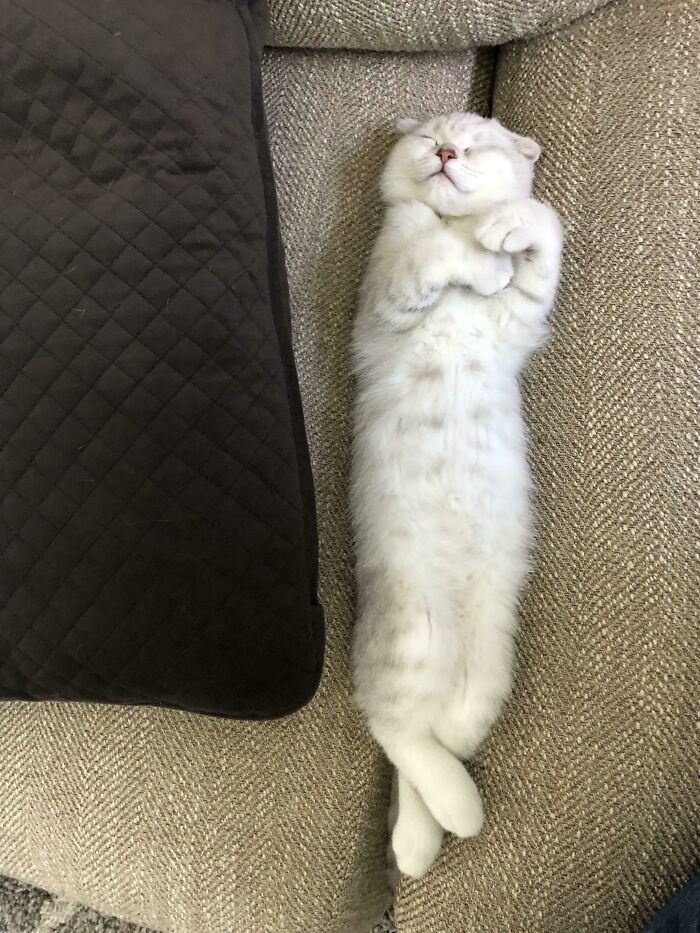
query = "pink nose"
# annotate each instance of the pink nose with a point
(445, 153)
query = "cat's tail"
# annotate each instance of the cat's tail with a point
(429, 771)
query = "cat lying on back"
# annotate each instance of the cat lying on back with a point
(455, 299)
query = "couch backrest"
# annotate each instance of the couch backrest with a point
(416, 25)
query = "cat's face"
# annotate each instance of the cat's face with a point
(459, 164)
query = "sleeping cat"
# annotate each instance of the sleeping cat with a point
(454, 300)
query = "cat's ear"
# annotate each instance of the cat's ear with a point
(527, 147)
(406, 124)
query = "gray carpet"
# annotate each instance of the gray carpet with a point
(24, 909)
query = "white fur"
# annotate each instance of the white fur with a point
(454, 300)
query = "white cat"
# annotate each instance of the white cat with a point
(454, 300)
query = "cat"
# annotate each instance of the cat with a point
(454, 300)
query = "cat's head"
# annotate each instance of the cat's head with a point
(459, 164)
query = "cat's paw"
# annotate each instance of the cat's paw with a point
(493, 273)
(415, 848)
(516, 226)
(464, 818)
(459, 809)
(506, 228)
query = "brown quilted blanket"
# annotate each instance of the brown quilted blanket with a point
(157, 517)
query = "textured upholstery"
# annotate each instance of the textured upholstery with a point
(416, 25)
(205, 826)
(591, 780)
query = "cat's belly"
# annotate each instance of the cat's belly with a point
(466, 453)
(448, 429)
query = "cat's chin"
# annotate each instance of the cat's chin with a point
(442, 194)
(442, 182)
(444, 203)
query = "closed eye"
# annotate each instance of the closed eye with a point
(433, 141)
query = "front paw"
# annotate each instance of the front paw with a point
(495, 270)
(518, 225)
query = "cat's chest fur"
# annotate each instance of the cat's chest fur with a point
(463, 333)
(439, 406)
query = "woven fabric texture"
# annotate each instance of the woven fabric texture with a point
(590, 781)
(416, 25)
(195, 825)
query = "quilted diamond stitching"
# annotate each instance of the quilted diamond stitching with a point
(130, 415)
(80, 310)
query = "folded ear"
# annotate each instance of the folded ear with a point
(527, 147)
(406, 124)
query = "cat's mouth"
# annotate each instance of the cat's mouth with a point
(442, 173)
(463, 181)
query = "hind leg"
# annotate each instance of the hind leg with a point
(488, 619)
(437, 775)
(417, 836)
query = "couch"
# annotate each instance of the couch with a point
(196, 825)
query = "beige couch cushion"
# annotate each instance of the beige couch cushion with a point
(591, 781)
(206, 826)
(416, 25)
